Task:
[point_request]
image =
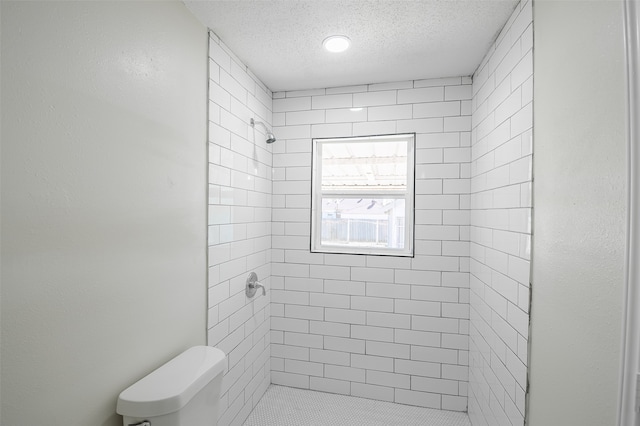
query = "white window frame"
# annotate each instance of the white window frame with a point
(317, 195)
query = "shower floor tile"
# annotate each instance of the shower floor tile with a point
(284, 406)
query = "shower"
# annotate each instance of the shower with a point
(270, 136)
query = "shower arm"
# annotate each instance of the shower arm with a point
(270, 136)
(254, 122)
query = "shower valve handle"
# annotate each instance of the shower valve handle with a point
(253, 285)
(257, 285)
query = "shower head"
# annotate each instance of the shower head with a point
(270, 136)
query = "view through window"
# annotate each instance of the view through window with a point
(362, 195)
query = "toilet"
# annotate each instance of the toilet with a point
(183, 392)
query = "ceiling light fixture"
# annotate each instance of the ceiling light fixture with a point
(336, 43)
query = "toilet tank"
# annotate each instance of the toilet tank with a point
(183, 392)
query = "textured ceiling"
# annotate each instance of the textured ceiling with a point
(392, 40)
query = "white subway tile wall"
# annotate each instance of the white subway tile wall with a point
(447, 329)
(240, 167)
(500, 230)
(387, 328)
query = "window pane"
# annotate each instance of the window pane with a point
(364, 165)
(363, 222)
(362, 195)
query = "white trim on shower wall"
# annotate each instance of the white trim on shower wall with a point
(628, 416)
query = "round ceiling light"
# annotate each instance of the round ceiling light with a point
(337, 43)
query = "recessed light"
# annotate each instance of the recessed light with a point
(337, 43)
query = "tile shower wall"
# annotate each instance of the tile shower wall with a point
(386, 328)
(239, 237)
(501, 225)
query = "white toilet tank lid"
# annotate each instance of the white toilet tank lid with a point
(171, 386)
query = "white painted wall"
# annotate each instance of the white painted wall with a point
(239, 229)
(579, 211)
(103, 202)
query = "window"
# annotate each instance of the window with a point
(362, 195)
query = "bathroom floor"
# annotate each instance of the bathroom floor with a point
(284, 406)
